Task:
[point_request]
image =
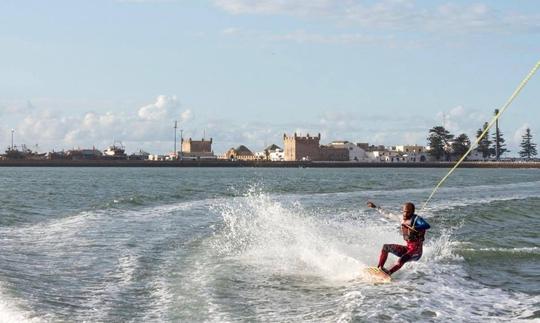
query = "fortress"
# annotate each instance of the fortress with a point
(197, 148)
(301, 148)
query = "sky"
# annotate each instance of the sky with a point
(89, 73)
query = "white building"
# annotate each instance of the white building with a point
(356, 153)
(413, 153)
(386, 156)
(476, 155)
(277, 155)
(156, 157)
(272, 153)
(397, 154)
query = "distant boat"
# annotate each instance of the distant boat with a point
(141, 155)
(22, 153)
(116, 151)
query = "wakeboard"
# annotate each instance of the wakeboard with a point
(376, 275)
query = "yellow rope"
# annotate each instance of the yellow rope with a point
(510, 100)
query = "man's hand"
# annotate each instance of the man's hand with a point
(371, 205)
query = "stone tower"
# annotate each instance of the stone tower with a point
(196, 146)
(301, 148)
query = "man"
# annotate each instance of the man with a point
(413, 229)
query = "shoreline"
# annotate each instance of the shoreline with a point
(262, 164)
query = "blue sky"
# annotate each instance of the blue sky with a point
(83, 73)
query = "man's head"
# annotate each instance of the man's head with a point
(408, 210)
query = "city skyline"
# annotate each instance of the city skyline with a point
(244, 72)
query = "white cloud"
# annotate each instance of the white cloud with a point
(461, 120)
(230, 31)
(339, 118)
(163, 108)
(43, 127)
(149, 127)
(100, 129)
(22, 108)
(396, 15)
(301, 36)
(93, 129)
(378, 138)
(414, 137)
(145, 1)
(458, 111)
(186, 115)
(293, 7)
(517, 137)
(307, 37)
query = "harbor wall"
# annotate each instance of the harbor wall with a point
(256, 163)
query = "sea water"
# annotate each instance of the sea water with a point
(247, 244)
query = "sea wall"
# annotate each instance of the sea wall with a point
(255, 163)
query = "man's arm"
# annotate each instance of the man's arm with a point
(383, 212)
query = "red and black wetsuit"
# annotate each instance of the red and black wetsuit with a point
(412, 251)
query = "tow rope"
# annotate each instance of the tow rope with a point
(475, 144)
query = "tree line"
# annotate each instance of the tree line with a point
(445, 146)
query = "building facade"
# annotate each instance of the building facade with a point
(355, 151)
(266, 154)
(301, 147)
(277, 155)
(476, 155)
(192, 149)
(333, 153)
(385, 156)
(413, 153)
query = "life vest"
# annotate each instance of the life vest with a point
(417, 229)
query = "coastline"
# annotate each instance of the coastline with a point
(265, 164)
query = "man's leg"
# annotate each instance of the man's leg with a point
(403, 259)
(395, 249)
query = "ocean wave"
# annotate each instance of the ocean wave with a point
(272, 257)
(517, 250)
(297, 256)
(446, 198)
(11, 310)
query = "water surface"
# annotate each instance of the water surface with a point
(221, 244)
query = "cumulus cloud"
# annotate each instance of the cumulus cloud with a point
(154, 131)
(163, 108)
(45, 127)
(102, 129)
(149, 127)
